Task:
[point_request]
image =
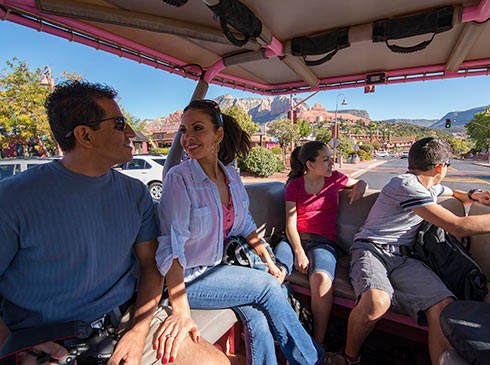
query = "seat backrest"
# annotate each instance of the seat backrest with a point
(267, 207)
(452, 204)
(480, 244)
(352, 216)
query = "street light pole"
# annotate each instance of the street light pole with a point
(335, 130)
(47, 81)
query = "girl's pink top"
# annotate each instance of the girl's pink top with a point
(317, 213)
(228, 214)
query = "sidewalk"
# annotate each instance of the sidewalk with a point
(351, 170)
(484, 164)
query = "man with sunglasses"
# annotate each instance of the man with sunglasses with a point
(381, 273)
(78, 239)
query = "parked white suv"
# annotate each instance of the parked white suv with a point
(382, 154)
(14, 166)
(148, 169)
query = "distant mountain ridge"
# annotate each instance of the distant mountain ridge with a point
(459, 117)
(357, 112)
(263, 110)
(418, 122)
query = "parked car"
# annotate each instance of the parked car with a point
(148, 169)
(404, 154)
(14, 166)
(382, 154)
(393, 154)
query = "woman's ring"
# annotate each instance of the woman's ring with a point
(168, 335)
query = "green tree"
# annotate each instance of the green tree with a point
(22, 114)
(323, 134)
(135, 123)
(285, 131)
(345, 145)
(367, 147)
(304, 128)
(377, 145)
(459, 144)
(479, 134)
(71, 76)
(243, 119)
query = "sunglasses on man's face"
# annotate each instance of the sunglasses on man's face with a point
(209, 104)
(120, 124)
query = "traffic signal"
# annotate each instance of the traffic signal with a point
(448, 123)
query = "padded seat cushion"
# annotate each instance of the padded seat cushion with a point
(213, 323)
(342, 287)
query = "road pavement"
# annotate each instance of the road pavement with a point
(462, 174)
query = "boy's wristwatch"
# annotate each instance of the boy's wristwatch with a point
(470, 193)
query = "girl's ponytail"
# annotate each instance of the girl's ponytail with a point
(297, 168)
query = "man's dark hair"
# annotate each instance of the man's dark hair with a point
(73, 103)
(427, 153)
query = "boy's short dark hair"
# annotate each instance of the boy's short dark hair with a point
(427, 153)
(72, 103)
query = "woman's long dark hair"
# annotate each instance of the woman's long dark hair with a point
(301, 155)
(236, 142)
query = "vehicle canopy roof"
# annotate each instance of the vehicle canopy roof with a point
(284, 46)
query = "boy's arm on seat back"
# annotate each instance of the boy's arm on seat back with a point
(458, 226)
(482, 197)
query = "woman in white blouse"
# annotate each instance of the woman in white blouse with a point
(203, 202)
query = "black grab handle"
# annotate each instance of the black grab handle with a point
(411, 49)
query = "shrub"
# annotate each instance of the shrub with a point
(260, 161)
(276, 150)
(367, 147)
(163, 151)
(279, 165)
(363, 155)
(241, 164)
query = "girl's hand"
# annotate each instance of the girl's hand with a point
(358, 191)
(171, 333)
(277, 271)
(274, 270)
(301, 262)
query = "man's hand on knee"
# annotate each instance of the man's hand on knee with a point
(129, 349)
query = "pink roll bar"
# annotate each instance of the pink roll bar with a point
(477, 13)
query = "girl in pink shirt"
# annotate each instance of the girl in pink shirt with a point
(312, 201)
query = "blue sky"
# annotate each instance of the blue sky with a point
(148, 93)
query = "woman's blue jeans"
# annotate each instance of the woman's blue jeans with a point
(258, 299)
